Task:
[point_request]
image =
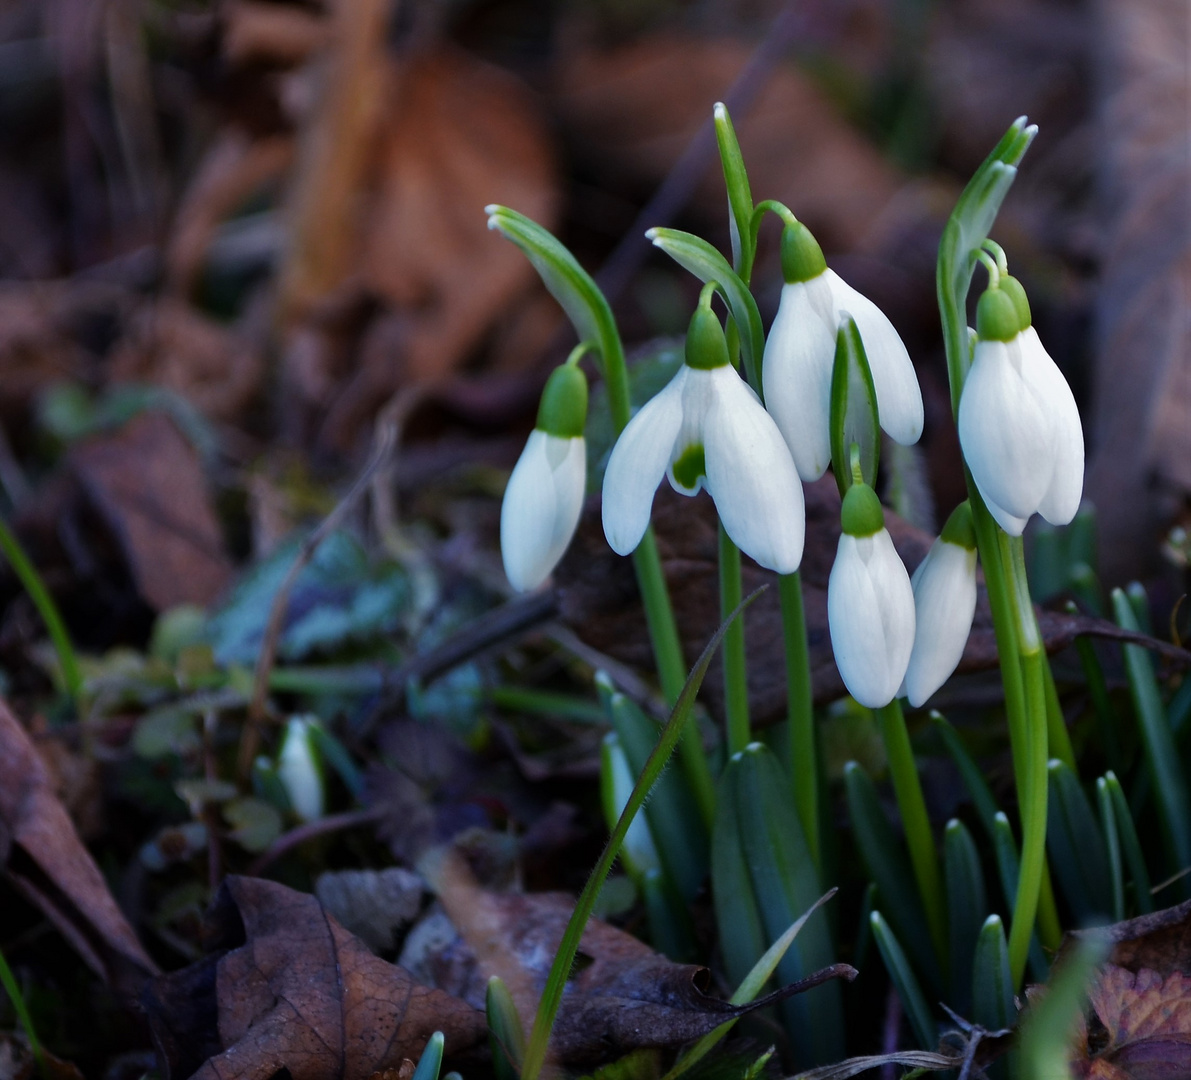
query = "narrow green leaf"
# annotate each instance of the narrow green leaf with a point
(670, 927)
(758, 819)
(506, 1036)
(973, 778)
(1173, 810)
(1106, 717)
(1078, 861)
(913, 1001)
(638, 853)
(1112, 842)
(992, 984)
(1047, 1029)
(535, 1053)
(749, 988)
(1005, 848)
(1130, 845)
(967, 905)
(701, 259)
(854, 416)
(885, 857)
(740, 196)
(674, 820)
(430, 1063)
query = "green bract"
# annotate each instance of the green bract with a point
(862, 514)
(563, 409)
(802, 258)
(706, 347)
(959, 529)
(997, 318)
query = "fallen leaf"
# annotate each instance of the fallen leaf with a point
(271, 32)
(172, 345)
(624, 996)
(598, 598)
(466, 134)
(148, 484)
(47, 863)
(289, 988)
(372, 904)
(1140, 470)
(636, 107)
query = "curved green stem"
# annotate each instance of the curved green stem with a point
(26, 572)
(915, 821)
(736, 692)
(800, 711)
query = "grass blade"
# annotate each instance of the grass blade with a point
(967, 905)
(913, 1001)
(1079, 862)
(1112, 841)
(1130, 845)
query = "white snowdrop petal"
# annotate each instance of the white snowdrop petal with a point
(895, 599)
(1061, 500)
(796, 373)
(945, 604)
(528, 529)
(638, 461)
(899, 398)
(751, 476)
(857, 630)
(1011, 523)
(1003, 431)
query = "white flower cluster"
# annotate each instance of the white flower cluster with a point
(707, 429)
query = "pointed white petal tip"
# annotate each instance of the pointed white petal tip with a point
(945, 604)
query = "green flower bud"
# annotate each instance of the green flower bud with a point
(802, 258)
(861, 514)
(706, 347)
(997, 317)
(563, 409)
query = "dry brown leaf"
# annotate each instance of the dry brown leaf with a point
(291, 989)
(1140, 425)
(636, 107)
(334, 155)
(170, 344)
(599, 598)
(624, 997)
(271, 32)
(149, 486)
(47, 862)
(462, 134)
(234, 168)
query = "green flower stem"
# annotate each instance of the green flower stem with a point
(655, 595)
(921, 842)
(800, 711)
(28, 576)
(667, 653)
(736, 691)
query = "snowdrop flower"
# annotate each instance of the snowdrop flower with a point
(796, 373)
(544, 496)
(944, 605)
(870, 604)
(707, 429)
(300, 770)
(1018, 423)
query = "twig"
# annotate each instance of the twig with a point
(793, 22)
(384, 441)
(292, 839)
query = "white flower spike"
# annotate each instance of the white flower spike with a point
(1018, 422)
(707, 429)
(544, 497)
(944, 606)
(796, 373)
(870, 604)
(299, 769)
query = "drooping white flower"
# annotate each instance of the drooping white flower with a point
(796, 374)
(944, 605)
(1019, 425)
(707, 429)
(870, 603)
(544, 497)
(299, 769)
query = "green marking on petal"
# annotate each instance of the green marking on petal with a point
(690, 466)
